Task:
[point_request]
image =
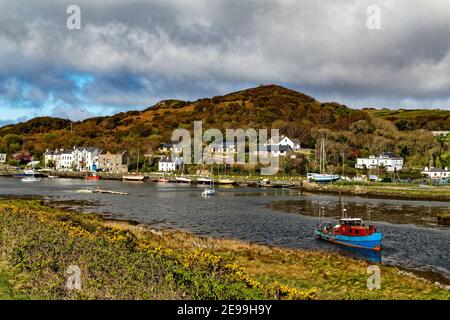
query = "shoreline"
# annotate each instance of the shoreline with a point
(388, 191)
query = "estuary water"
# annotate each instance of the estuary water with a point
(279, 217)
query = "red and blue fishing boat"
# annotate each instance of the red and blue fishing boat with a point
(350, 232)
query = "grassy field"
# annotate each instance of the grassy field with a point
(119, 260)
(391, 190)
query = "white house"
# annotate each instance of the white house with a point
(171, 147)
(169, 164)
(285, 141)
(440, 133)
(225, 147)
(61, 158)
(276, 151)
(435, 173)
(80, 158)
(2, 157)
(85, 158)
(387, 160)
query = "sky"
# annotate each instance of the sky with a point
(128, 55)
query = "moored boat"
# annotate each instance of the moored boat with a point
(225, 181)
(317, 177)
(204, 180)
(350, 232)
(92, 177)
(133, 177)
(208, 192)
(183, 180)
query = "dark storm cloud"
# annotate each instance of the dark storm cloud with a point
(138, 52)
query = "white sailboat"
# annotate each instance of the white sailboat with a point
(322, 176)
(134, 176)
(183, 178)
(209, 191)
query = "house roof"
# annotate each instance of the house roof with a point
(435, 170)
(88, 149)
(169, 145)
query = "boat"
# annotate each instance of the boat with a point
(30, 179)
(163, 180)
(29, 173)
(225, 181)
(133, 177)
(92, 177)
(317, 177)
(208, 192)
(264, 183)
(204, 180)
(322, 177)
(350, 232)
(183, 179)
(136, 176)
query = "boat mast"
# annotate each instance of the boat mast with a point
(137, 166)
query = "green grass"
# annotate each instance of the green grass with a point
(40, 243)
(123, 261)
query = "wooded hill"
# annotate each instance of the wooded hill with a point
(349, 131)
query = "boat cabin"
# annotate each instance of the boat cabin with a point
(353, 227)
(350, 221)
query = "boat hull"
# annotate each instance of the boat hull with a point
(325, 178)
(133, 178)
(372, 242)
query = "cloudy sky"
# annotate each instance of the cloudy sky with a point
(131, 54)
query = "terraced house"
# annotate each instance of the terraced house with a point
(114, 163)
(78, 158)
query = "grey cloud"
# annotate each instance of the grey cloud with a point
(142, 51)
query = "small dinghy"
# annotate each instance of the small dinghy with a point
(208, 192)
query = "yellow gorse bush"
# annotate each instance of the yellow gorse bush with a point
(196, 259)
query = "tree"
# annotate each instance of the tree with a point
(23, 157)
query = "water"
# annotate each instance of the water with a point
(412, 237)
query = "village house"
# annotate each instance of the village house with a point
(79, 158)
(386, 160)
(114, 163)
(436, 173)
(294, 144)
(86, 158)
(225, 147)
(168, 164)
(276, 151)
(171, 147)
(2, 157)
(440, 133)
(60, 159)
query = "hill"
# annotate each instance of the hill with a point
(352, 131)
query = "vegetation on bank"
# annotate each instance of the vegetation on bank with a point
(391, 190)
(38, 244)
(119, 260)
